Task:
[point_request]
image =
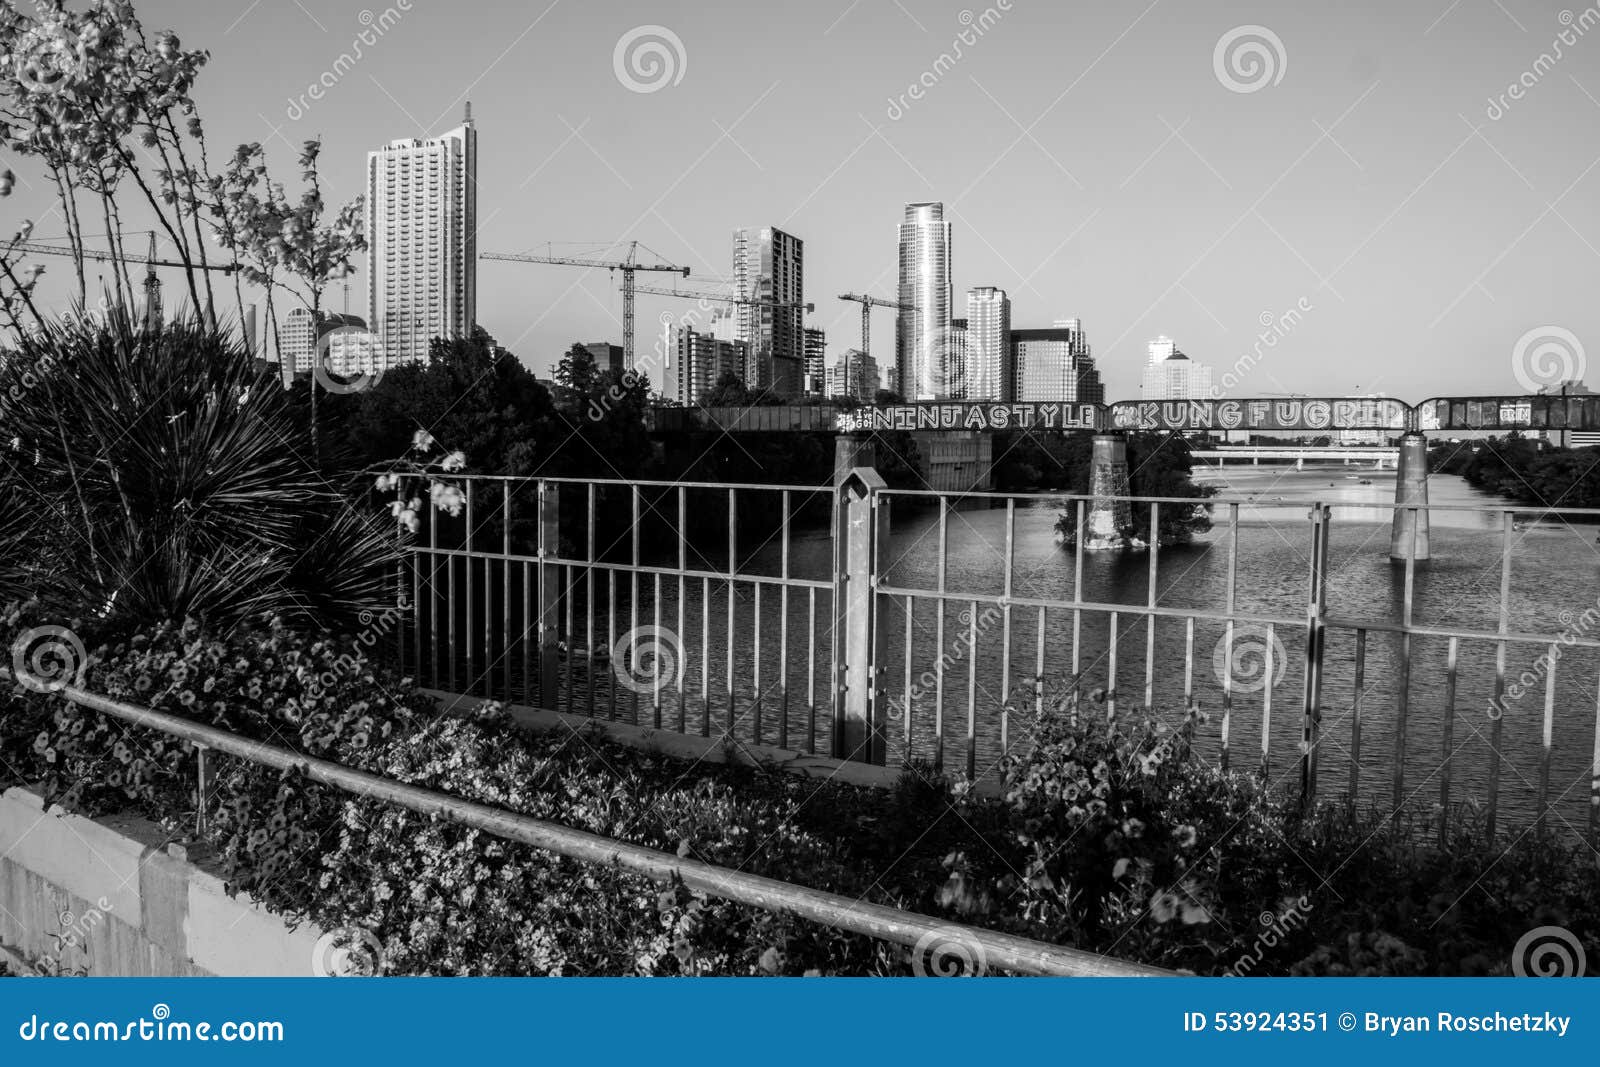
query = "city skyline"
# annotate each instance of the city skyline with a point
(1084, 187)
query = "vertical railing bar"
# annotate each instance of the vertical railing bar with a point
(588, 598)
(1316, 609)
(1355, 715)
(783, 633)
(938, 637)
(1150, 599)
(569, 583)
(755, 629)
(505, 583)
(1266, 702)
(611, 643)
(470, 622)
(972, 690)
(1227, 633)
(906, 698)
(1492, 805)
(527, 646)
(633, 592)
(1448, 755)
(1403, 701)
(733, 568)
(1542, 821)
(683, 594)
(811, 669)
(1005, 651)
(1188, 664)
(1077, 596)
(655, 679)
(1111, 670)
(452, 648)
(705, 657)
(1038, 666)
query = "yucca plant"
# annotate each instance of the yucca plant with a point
(152, 473)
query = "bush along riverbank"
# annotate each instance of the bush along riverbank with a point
(1110, 836)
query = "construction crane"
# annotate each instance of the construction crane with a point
(867, 304)
(723, 298)
(627, 266)
(152, 284)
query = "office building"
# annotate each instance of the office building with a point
(606, 356)
(422, 255)
(955, 360)
(698, 361)
(816, 364)
(921, 334)
(1171, 375)
(769, 265)
(1055, 365)
(297, 340)
(855, 375)
(990, 370)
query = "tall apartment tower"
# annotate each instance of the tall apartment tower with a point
(816, 366)
(422, 254)
(921, 335)
(1054, 365)
(769, 264)
(698, 361)
(956, 367)
(990, 368)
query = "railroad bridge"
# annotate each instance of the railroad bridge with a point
(965, 467)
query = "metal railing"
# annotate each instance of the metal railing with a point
(805, 623)
(939, 940)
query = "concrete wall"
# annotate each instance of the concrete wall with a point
(127, 904)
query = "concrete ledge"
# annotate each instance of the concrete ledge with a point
(720, 748)
(128, 902)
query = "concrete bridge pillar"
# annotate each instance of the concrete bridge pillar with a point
(1411, 489)
(1108, 517)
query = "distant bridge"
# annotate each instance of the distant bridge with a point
(1380, 455)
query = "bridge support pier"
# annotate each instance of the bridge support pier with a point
(1409, 539)
(1109, 518)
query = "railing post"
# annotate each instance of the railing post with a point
(859, 699)
(1316, 610)
(549, 596)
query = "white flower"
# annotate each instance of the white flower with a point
(455, 461)
(422, 440)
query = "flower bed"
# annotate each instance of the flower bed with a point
(1109, 836)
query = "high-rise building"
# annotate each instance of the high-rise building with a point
(855, 375)
(422, 254)
(816, 374)
(769, 265)
(297, 341)
(990, 368)
(922, 334)
(1055, 366)
(1174, 376)
(955, 360)
(698, 361)
(606, 356)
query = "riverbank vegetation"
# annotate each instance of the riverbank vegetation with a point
(1524, 470)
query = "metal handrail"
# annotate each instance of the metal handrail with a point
(1000, 951)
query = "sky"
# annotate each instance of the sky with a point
(1112, 162)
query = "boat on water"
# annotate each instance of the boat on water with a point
(1365, 481)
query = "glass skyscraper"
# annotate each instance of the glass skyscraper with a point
(922, 334)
